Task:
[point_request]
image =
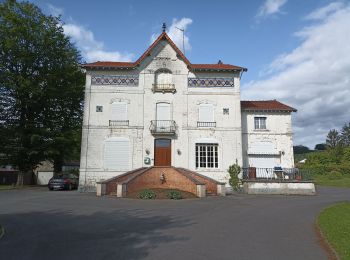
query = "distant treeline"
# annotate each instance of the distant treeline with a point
(333, 159)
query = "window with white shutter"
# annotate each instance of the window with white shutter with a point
(206, 116)
(119, 111)
(117, 154)
(164, 77)
(119, 115)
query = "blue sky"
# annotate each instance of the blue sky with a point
(296, 51)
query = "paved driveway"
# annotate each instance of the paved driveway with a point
(41, 225)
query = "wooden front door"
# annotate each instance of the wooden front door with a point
(162, 152)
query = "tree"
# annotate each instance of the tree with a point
(320, 147)
(345, 135)
(41, 87)
(333, 139)
(298, 149)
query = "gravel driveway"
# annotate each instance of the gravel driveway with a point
(66, 224)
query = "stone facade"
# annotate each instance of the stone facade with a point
(133, 84)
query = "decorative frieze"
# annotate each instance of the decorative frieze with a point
(130, 80)
(211, 82)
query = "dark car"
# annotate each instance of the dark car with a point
(63, 182)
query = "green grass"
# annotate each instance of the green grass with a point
(6, 187)
(327, 180)
(335, 225)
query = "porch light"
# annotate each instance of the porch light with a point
(178, 152)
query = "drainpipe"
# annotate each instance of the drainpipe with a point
(87, 136)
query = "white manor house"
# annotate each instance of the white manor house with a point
(163, 110)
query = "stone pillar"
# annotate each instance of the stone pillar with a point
(121, 190)
(201, 190)
(221, 189)
(100, 189)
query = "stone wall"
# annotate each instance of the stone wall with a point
(282, 188)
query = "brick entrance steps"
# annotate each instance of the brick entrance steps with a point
(160, 178)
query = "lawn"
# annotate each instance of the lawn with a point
(335, 225)
(6, 187)
(327, 180)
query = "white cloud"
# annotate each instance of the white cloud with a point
(270, 7)
(325, 11)
(176, 34)
(54, 10)
(314, 77)
(91, 49)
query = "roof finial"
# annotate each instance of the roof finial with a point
(164, 27)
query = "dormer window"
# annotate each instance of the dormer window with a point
(163, 81)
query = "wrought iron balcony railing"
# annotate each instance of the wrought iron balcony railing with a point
(164, 88)
(117, 123)
(163, 127)
(206, 124)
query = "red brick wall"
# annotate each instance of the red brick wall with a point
(210, 185)
(112, 185)
(151, 179)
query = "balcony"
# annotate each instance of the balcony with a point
(118, 123)
(276, 174)
(206, 124)
(164, 88)
(163, 127)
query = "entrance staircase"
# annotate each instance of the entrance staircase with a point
(161, 177)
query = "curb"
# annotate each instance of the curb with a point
(2, 231)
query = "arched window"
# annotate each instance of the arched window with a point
(163, 77)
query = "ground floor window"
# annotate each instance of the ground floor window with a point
(116, 154)
(207, 155)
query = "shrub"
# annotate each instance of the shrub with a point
(174, 195)
(147, 195)
(334, 175)
(234, 170)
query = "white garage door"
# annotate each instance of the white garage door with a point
(264, 156)
(44, 177)
(262, 161)
(117, 154)
(264, 165)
